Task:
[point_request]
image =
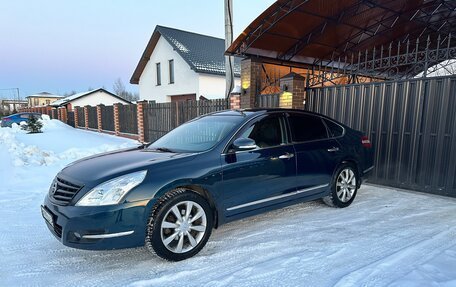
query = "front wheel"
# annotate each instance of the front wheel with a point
(180, 225)
(343, 187)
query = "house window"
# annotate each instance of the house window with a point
(36, 102)
(158, 74)
(171, 71)
(48, 102)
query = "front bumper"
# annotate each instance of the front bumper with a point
(100, 227)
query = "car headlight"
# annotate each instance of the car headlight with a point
(112, 191)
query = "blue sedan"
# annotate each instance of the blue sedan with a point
(18, 118)
(220, 167)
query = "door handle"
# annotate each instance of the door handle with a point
(286, 156)
(333, 149)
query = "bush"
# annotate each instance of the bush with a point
(33, 126)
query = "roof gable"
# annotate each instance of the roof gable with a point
(71, 98)
(204, 54)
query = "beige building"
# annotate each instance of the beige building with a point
(42, 99)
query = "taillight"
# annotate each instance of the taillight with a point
(366, 142)
(6, 119)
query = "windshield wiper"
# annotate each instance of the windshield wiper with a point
(163, 149)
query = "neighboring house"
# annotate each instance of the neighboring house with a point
(178, 65)
(10, 106)
(42, 99)
(90, 98)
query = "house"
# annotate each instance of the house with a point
(179, 65)
(90, 98)
(41, 99)
(11, 106)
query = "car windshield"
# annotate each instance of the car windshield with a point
(198, 135)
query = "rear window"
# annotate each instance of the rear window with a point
(306, 128)
(335, 130)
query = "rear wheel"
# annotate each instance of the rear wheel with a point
(180, 225)
(344, 187)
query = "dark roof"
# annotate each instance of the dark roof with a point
(309, 33)
(204, 54)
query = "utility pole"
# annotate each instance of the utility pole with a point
(229, 60)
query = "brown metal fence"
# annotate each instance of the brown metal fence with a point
(107, 118)
(411, 123)
(81, 120)
(70, 120)
(92, 117)
(54, 114)
(128, 120)
(160, 118)
(267, 101)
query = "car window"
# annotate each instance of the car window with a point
(24, 116)
(266, 132)
(335, 130)
(306, 128)
(198, 135)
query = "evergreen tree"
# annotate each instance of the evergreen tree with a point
(33, 126)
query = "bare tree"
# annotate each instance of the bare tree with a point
(120, 90)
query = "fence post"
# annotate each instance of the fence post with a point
(86, 117)
(99, 115)
(76, 117)
(64, 115)
(140, 107)
(235, 102)
(116, 118)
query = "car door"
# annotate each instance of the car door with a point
(317, 154)
(252, 179)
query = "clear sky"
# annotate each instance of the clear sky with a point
(60, 45)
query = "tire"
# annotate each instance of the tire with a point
(344, 186)
(179, 226)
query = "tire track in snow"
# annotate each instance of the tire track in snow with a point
(400, 262)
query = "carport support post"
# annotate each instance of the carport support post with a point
(99, 122)
(86, 117)
(116, 118)
(250, 82)
(293, 91)
(140, 107)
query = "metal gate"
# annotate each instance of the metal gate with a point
(411, 123)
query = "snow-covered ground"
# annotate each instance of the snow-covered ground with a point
(386, 238)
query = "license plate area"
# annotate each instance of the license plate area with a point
(47, 216)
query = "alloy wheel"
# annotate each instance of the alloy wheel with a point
(183, 227)
(346, 185)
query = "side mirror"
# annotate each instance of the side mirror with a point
(242, 144)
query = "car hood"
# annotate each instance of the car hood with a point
(105, 166)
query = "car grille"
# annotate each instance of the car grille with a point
(62, 191)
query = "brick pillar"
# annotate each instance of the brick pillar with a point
(116, 118)
(64, 115)
(293, 91)
(99, 122)
(48, 110)
(86, 117)
(140, 106)
(250, 82)
(59, 114)
(76, 116)
(235, 102)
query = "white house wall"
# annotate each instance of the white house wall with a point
(213, 86)
(185, 79)
(96, 98)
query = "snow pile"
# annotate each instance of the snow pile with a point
(15, 140)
